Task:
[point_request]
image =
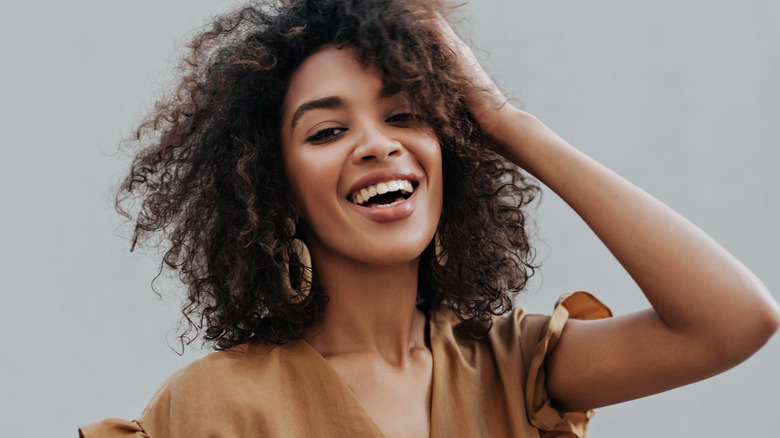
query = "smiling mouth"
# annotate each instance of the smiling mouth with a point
(385, 194)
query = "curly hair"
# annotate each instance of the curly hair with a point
(208, 183)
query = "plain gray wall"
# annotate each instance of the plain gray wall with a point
(681, 97)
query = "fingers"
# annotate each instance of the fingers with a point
(483, 96)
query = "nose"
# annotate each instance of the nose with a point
(375, 145)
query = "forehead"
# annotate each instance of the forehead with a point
(331, 71)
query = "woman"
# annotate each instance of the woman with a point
(338, 182)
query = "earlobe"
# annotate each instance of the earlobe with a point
(290, 210)
(290, 226)
(440, 254)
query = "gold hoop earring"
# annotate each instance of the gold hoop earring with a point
(440, 255)
(301, 251)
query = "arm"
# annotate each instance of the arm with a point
(709, 312)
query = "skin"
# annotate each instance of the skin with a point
(709, 312)
(371, 332)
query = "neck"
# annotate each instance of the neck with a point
(371, 310)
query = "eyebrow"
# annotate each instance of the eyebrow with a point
(324, 103)
(335, 102)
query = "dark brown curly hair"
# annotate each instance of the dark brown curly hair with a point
(208, 180)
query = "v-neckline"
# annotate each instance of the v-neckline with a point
(338, 381)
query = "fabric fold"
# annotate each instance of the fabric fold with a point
(112, 428)
(551, 422)
(493, 386)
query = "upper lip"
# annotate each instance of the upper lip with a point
(381, 176)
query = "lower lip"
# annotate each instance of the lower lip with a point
(389, 214)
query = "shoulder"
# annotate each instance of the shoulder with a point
(503, 371)
(228, 365)
(255, 368)
(518, 335)
(206, 395)
(220, 390)
(535, 331)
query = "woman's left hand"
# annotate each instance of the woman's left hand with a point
(512, 132)
(485, 100)
(709, 312)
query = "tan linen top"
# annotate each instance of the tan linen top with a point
(490, 387)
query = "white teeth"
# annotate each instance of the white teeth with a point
(363, 195)
(391, 204)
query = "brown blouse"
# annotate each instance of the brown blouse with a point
(492, 387)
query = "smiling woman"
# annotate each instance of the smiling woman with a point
(252, 137)
(340, 187)
(367, 140)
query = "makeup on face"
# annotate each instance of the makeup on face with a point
(364, 174)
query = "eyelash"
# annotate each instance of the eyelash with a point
(324, 135)
(405, 118)
(327, 134)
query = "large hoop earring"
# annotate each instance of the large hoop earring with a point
(301, 251)
(440, 255)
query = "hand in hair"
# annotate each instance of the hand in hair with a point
(485, 100)
(709, 312)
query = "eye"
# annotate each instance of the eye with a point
(404, 119)
(325, 135)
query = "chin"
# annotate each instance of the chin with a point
(392, 255)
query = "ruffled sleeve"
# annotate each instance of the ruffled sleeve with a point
(541, 413)
(112, 428)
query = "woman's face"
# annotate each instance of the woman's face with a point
(365, 177)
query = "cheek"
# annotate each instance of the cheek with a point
(439, 189)
(313, 180)
(434, 169)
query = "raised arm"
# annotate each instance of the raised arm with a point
(709, 312)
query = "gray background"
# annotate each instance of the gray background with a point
(681, 97)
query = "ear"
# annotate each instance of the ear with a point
(289, 216)
(290, 226)
(290, 208)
